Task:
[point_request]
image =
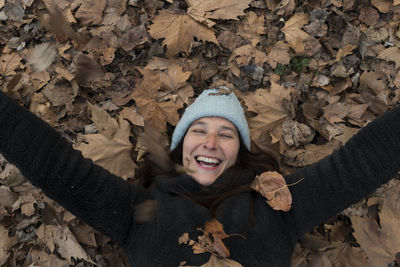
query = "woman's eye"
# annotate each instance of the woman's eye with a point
(226, 135)
(198, 131)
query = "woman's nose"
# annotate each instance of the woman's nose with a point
(210, 142)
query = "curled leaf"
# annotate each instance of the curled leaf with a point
(273, 187)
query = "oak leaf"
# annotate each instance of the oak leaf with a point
(110, 150)
(295, 37)
(179, 31)
(273, 187)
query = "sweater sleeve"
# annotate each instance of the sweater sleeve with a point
(49, 161)
(368, 160)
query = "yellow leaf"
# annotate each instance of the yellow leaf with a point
(179, 31)
(293, 34)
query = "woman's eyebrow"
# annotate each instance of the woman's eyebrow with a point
(229, 129)
(198, 123)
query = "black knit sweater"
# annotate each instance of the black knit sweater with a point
(106, 202)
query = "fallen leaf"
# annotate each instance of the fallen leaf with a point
(279, 54)
(179, 31)
(6, 243)
(368, 15)
(308, 155)
(252, 27)
(391, 54)
(267, 104)
(112, 154)
(90, 12)
(174, 78)
(273, 187)
(203, 10)
(9, 63)
(55, 236)
(295, 37)
(344, 51)
(380, 241)
(132, 115)
(382, 5)
(134, 37)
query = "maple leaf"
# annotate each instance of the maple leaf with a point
(273, 187)
(174, 77)
(110, 150)
(8, 64)
(179, 31)
(380, 241)
(279, 54)
(295, 37)
(252, 27)
(268, 106)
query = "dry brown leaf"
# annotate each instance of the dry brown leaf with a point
(90, 12)
(42, 259)
(252, 27)
(112, 154)
(132, 115)
(380, 241)
(368, 15)
(203, 10)
(279, 54)
(105, 124)
(174, 78)
(273, 187)
(84, 234)
(9, 63)
(295, 37)
(134, 37)
(244, 54)
(373, 80)
(268, 106)
(391, 54)
(179, 31)
(55, 236)
(344, 51)
(42, 56)
(6, 243)
(382, 5)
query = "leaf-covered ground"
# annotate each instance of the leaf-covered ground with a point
(309, 73)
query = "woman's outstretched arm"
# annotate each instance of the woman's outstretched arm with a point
(368, 160)
(45, 158)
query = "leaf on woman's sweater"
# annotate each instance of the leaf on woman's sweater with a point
(273, 187)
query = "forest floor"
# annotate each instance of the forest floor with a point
(310, 74)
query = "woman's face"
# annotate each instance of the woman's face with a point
(211, 145)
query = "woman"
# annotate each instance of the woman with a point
(212, 142)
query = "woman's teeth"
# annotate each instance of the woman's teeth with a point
(208, 161)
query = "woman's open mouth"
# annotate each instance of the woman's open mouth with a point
(207, 162)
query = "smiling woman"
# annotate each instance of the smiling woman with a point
(209, 214)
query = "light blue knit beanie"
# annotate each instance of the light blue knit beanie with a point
(215, 105)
